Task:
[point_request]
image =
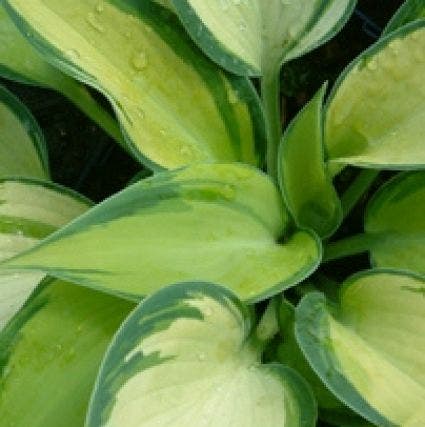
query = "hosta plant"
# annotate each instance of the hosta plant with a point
(208, 294)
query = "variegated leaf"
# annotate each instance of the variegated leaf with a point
(370, 350)
(220, 223)
(29, 211)
(138, 55)
(186, 357)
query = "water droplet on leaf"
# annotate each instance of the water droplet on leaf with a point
(94, 23)
(233, 99)
(100, 7)
(139, 61)
(372, 65)
(208, 311)
(141, 113)
(73, 54)
(228, 192)
(243, 26)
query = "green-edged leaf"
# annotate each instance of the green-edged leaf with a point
(395, 222)
(376, 115)
(51, 352)
(370, 351)
(14, 291)
(290, 355)
(22, 147)
(29, 211)
(186, 357)
(409, 11)
(249, 37)
(175, 105)
(19, 61)
(218, 223)
(306, 186)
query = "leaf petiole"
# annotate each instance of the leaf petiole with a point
(270, 90)
(357, 188)
(349, 246)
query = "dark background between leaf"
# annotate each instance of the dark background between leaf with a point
(86, 159)
(83, 157)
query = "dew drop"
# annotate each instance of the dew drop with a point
(20, 233)
(243, 26)
(415, 35)
(100, 7)
(233, 99)
(139, 61)
(73, 54)
(185, 151)
(208, 311)
(163, 132)
(201, 357)
(242, 173)
(128, 34)
(292, 32)
(372, 65)
(395, 45)
(94, 23)
(224, 4)
(228, 192)
(199, 29)
(418, 54)
(141, 114)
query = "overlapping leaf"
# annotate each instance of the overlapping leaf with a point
(308, 190)
(375, 117)
(175, 105)
(22, 147)
(370, 350)
(409, 11)
(395, 223)
(250, 37)
(219, 223)
(186, 357)
(19, 61)
(29, 211)
(50, 354)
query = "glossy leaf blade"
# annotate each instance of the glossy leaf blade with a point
(307, 188)
(138, 55)
(375, 117)
(248, 37)
(217, 223)
(29, 211)
(395, 220)
(51, 352)
(409, 11)
(184, 357)
(290, 354)
(14, 291)
(19, 61)
(22, 147)
(370, 350)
